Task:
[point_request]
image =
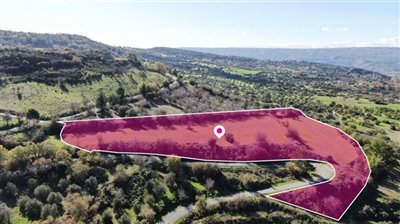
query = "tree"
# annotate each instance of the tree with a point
(32, 114)
(54, 198)
(161, 68)
(54, 128)
(33, 209)
(174, 72)
(80, 172)
(107, 216)
(230, 138)
(11, 190)
(101, 101)
(121, 94)
(212, 142)
(41, 192)
(49, 210)
(170, 180)
(174, 164)
(22, 201)
(119, 201)
(134, 60)
(5, 213)
(62, 184)
(293, 134)
(201, 204)
(147, 213)
(77, 206)
(91, 185)
(143, 89)
(381, 155)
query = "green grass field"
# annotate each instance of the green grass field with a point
(51, 100)
(241, 71)
(355, 102)
(384, 118)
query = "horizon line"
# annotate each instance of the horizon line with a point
(294, 47)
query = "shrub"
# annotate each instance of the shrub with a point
(147, 213)
(206, 170)
(174, 164)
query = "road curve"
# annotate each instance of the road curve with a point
(323, 172)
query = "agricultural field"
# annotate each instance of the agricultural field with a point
(241, 71)
(349, 101)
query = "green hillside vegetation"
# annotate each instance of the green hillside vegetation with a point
(371, 115)
(51, 41)
(356, 102)
(241, 71)
(51, 100)
(73, 185)
(380, 59)
(57, 82)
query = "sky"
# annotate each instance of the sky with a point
(205, 23)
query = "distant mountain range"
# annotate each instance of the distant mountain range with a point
(385, 60)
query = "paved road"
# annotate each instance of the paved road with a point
(323, 172)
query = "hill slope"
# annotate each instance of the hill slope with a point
(379, 59)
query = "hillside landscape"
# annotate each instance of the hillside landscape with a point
(48, 78)
(379, 59)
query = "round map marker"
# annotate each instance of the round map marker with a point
(219, 131)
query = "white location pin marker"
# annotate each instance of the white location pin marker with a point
(219, 131)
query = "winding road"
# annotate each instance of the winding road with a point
(323, 172)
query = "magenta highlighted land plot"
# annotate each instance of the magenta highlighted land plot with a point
(256, 135)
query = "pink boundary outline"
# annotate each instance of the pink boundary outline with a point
(246, 161)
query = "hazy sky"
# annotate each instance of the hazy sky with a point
(212, 24)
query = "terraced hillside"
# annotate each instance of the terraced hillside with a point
(54, 81)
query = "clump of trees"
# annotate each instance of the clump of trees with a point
(244, 208)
